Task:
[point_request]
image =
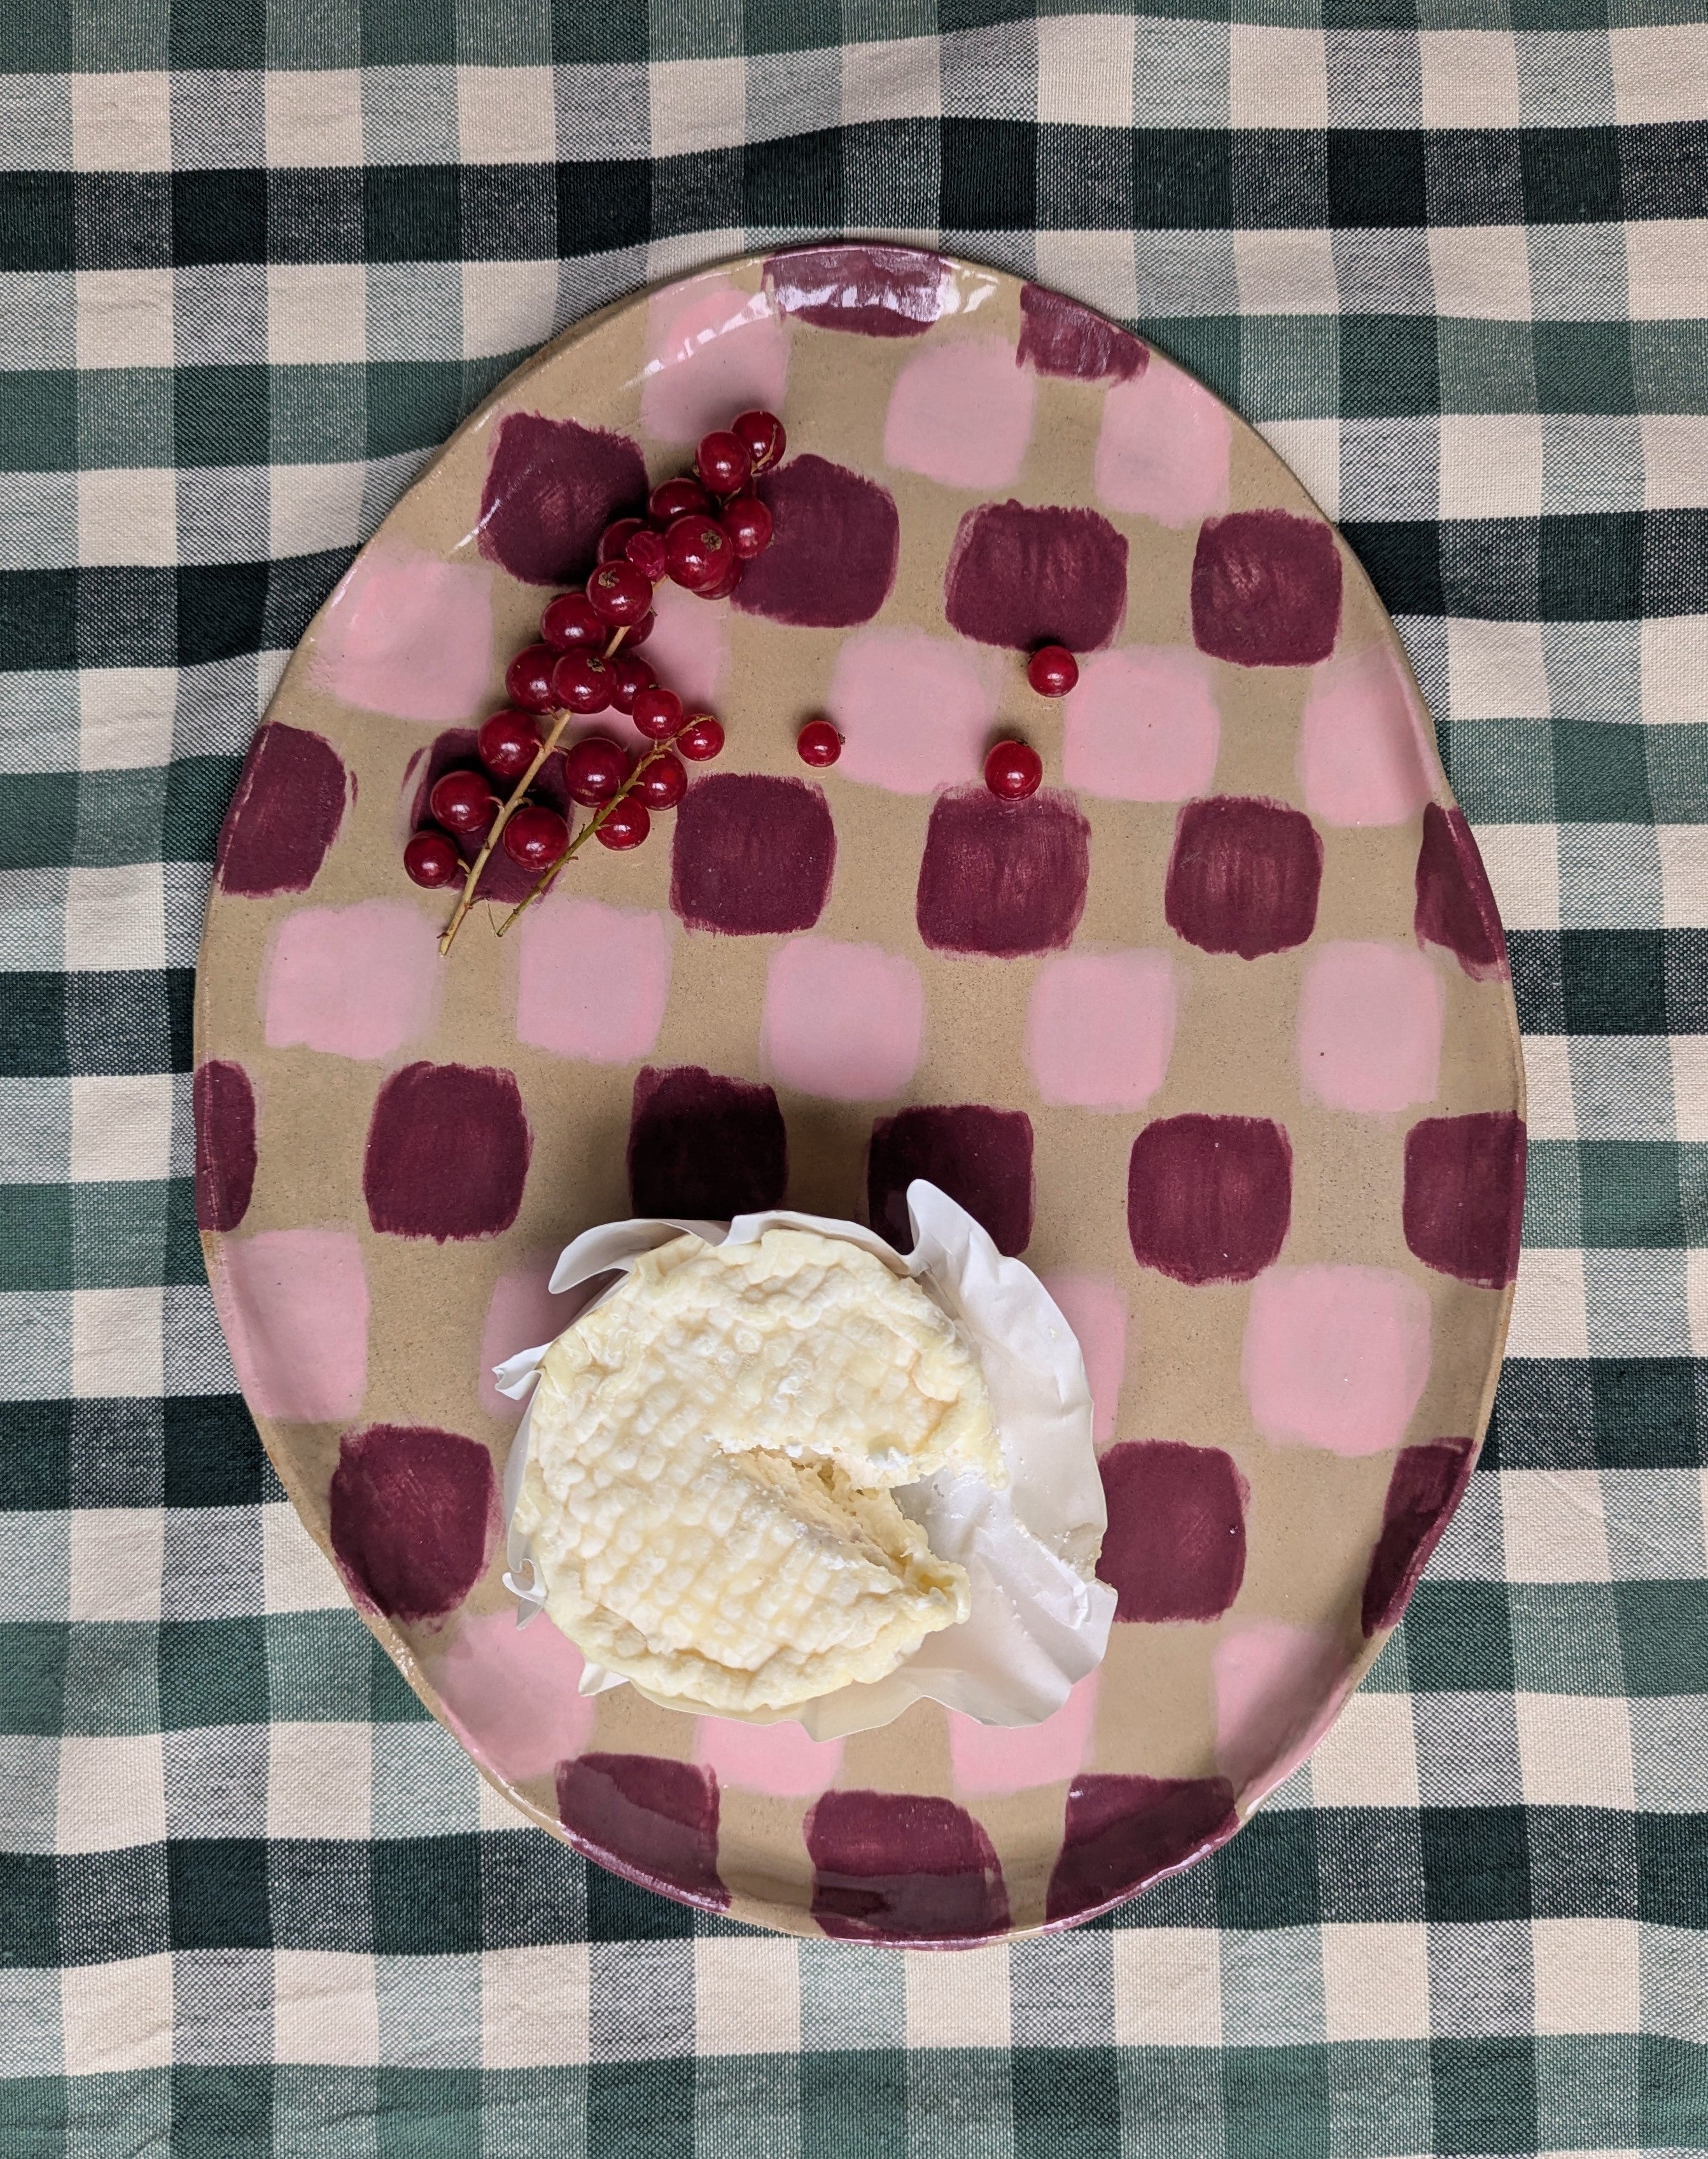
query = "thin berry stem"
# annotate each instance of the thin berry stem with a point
(518, 795)
(547, 879)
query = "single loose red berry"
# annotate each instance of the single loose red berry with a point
(571, 620)
(507, 743)
(1052, 670)
(629, 675)
(624, 826)
(761, 435)
(701, 738)
(749, 523)
(461, 802)
(722, 461)
(639, 631)
(818, 743)
(657, 714)
(582, 681)
(595, 769)
(430, 860)
(698, 550)
(646, 550)
(663, 784)
(672, 498)
(621, 593)
(1014, 770)
(528, 679)
(614, 540)
(535, 836)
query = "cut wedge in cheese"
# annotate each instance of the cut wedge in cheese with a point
(713, 1451)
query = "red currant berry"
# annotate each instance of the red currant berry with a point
(582, 681)
(722, 461)
(701, 738)
(725, 584)
(625, 825)
(749, 523)
(698, 550)
(571, 620)
(430, 860)
(1052, 670)
(614, 540)
(663, 784)
(672, 498)
(507, 743)
(535, 836)
(761, 435)
(621, 593)
(646, 550)
(461, 802)
(595, 769)
(639, 631)
(629, 675)
(818, 743)
(528, 679)
(1014, 770)
(657, 714)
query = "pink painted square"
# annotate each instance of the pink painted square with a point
(593, 980)
(844, 1022)
(778, 1759)
(1097, 1312)
(913, 709)
(1278, 1688)
(1369, 1029)
(991, 1757)
(1363, 758)
(1335, 1357)
(688, 648)
(961, 414)
(294, 1305)
(712, 351)
(352, 981)
(521, 1314)
(1100, 1028)
(510, 1694)
(409, 635)
(1162, 450)
(1143, 725)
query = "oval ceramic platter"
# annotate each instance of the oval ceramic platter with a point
(1216, 1030)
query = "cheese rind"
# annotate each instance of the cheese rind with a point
(712, 1451)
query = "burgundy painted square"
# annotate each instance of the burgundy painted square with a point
(1244, 875)
(1123, 1833)
(226, 1156)
(899, 1866)
(551, 488)
(869, 292)
(1174, 1547)
(285, 814)
(414, 1514)
(836, 542)
(704, 1147)
(1427, 1485)
(448, 1153)
(1209, 1198)
(503, 881)
(650, 1820)
(982, 1157)
(1022, 578)
(1455, 901)
(1003, 878)
(1059, 337)
(1465, 1195)
(751, 854)
(1266, 589)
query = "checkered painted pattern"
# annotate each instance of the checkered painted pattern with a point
(255, 261)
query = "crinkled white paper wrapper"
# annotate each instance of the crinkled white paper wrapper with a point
(1040, 1619)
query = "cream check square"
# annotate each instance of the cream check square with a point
(1470, 78)
(506, 116)
(1167, 1986)
(1675, 663)
(1096, 267)
(115, 918)
(121, 1127)
(112, 1792)
(311, 507)
(533, 2005)
(1575, 1751)
(319, 1780)
(959, 2001)
(1550, 1112)
(1285, 273)
(325, 2008)
(697, 105)
(892, 78)
(117, 1552)
(1664, 260)
(1658, 71)
(297, 1575)
(126, 517)
(121, 122)
(117, 2017)
(507, 307)
(116, 1350)
(1277, 78)
(125, 318)
(746, 1997)
(1587, 1975)
(124, 717)
(1689, 1061)
(1523, 862)
(316, 312)
(315, 116)
(1491, 464)
(1684, 875)
(1495, 670)
(1550, 1311)
(1675, 460)
(1556, 1529)
(1375, 1981)
(1481, 273)
(1310, 450)
(1369, 1756)
(1085, 70)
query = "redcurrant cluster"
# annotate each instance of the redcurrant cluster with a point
(698, 532)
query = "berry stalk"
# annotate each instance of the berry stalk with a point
(544, 884)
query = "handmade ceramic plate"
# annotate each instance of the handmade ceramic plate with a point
(1215, 1030)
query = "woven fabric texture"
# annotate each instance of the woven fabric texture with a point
(255, 261)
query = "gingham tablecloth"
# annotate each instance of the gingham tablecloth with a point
(256, 258)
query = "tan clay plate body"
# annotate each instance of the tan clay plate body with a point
(1215, 1029)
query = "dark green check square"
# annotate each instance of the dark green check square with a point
(1211, 347)
(412, 405)
(39, 828)
(1672, 1870)
(1553, 1197)
(221, 2110)
(318, 415)
(218, 1886)
(1459, 1635)
(1589, 568)
(427, 1895)
(864, 2090)
(199, 791)
(222, 416)
(1288, 366)
(1267, 1876)
(791, 26)
(212, 1452)
(119, 816)
(1635, 1194)
(1601, 774)
(1380, 2095)
(1485, 367)
(1503, 770)
(505, 33)
(121, 1234)
(1614, 982)
(1669, 366)
(1475, 1864)
(1583, 1862)
(35, 1461)
(395, 33)
(29, 1934)
(37, 1247)
(1664, 1635)
(1672, 2086)
(1390, 366)
(619, 1911)
(619, 31)
(1066, 2101)
(1171, 2102)
(124, 417)
(1583, 367)
(36, 2118)
(1649, 1412)
(1584, 2088)
(645, 2110)
(434, 2114)
(1677, 760)
(38, 421)
(213, 1671)
(1277, 2102)
(1484, 2096)
(33, 1678)
(1564, 1638)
